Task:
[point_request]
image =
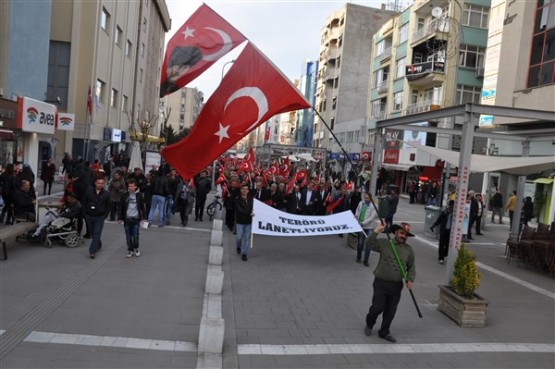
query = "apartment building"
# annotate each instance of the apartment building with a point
(182, 108)
(430, 56)
(342, 83)
(94, 63)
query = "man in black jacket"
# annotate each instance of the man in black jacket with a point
(243, 220)
(24, 203)
(97, 208)
(203, 185)
(444, 220)
(160, 189)
(132, 212)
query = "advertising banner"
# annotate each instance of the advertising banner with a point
(36, 116)
(65, 122)
(272, 222)
(391, 156)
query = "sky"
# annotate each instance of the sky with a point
(286, 31)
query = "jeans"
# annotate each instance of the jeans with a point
(158, 201)
(169, 204)
(96, 224)
(360, 244)
(132, 233)
(243, 237)
(48, 218)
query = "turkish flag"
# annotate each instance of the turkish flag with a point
(285, 168)
(267, 134)
(246, 166)
(201, 41)
(251, 92)
(221, 179)
(250, 156)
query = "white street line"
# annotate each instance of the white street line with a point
(420, 348)
(2, 331)
(107, 341)
(519, 281)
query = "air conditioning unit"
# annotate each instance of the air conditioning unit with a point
(479, 73)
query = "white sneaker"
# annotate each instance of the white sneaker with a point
(129, 254)
(137, 252)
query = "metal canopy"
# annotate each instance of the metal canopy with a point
(470, 114)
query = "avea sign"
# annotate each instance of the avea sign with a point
(36, 116)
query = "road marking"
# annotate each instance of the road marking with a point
(108, 341)
(2, 331)
(509, 277)
(416, 348)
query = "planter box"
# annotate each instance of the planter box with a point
(468, 313)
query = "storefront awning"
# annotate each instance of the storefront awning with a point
(544, 180)
(517, 165)
(401, 167)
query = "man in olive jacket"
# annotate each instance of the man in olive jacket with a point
(388, 278)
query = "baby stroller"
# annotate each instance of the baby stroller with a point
(62, 229)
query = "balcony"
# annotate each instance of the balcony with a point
(381, 115)
(438, 28)
(331, 55)
(382, 87)
(425, 74)
(421, 107)
(386, 55)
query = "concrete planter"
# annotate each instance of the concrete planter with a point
(468, 313)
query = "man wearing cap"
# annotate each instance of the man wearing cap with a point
(444, 221)
(388, 277)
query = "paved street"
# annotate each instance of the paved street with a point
(296, 303)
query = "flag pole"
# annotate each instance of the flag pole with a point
(401, 267)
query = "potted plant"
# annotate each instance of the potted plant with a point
(459, 300)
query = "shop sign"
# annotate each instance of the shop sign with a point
(65, 122)
(36, 116)
(116, 135)
(365, 156)
(393, 139)
(391, 156)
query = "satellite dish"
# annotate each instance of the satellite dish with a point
(437, 12)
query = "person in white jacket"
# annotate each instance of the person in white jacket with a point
(366, 216)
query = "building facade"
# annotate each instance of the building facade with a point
(182, 108)
(431, 56)
(342, 84)
(97, 60)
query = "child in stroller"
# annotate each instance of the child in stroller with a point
(60, 223)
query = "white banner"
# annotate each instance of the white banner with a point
(272, 222)
(36, 116)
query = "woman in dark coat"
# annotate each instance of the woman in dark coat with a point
(47, 175)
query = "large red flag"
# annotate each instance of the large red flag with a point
(252, 91)
(250, 157)
(201, 41)
(285, 168)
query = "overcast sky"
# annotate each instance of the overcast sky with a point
(286, 31)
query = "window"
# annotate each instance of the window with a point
(420, 23)
(378, 107)
(380, 77)
(144, 24)
(105, 20)
(414, 97)
(58, 72)
(401, 68)
(141, 75)
(468, 94)
(542, 55)
(350, 137)
(99, 90)
(128, 47)
(398, 101)
(334, 103)
(471, 56)
(417, 58)
(403, 33)
(117, 37)
(332, 123)
(113, 98)
(475, 16)
(380, 47)
(142, 49)
(338, 62)
(124, 103)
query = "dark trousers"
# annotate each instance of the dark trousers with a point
(49, 185)
(199, 206)
(114, 210)
(183, 214)
(511, 213)
(230, 218)
(96, 224)
(131, 228)
(385, 300)
(8, 210)
(478, 224)
(389, 220)
(443, 248)
(470, 225)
